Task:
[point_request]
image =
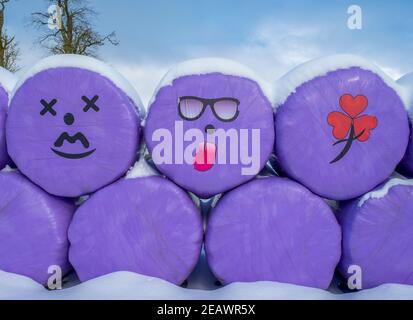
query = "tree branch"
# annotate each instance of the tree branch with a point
(77, 33)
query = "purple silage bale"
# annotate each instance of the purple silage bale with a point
(341, 126)
(377, 235)
(211, 96)
(73, 125)
(144, 225)
(33, 228)
(406, 166)
(273, 229)
(7, 83)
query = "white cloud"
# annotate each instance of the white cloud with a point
(144, 77)
(271, 51)
(274, 49)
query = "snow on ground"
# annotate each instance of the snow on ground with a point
(132, 286)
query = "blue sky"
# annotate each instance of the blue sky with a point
(270, 36)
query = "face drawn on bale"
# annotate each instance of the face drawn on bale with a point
(211, 103)
(72, 130)
(69, 120)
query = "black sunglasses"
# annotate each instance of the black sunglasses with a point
(191, 108)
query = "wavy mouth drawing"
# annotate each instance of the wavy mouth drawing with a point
(72, 139)
(73, 155)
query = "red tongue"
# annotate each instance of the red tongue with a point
(205, 157)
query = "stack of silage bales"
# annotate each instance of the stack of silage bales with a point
(338, 128)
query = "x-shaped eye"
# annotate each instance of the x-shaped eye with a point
(48, 107)
(90, 103)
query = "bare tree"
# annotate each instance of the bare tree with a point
(9, 52)
(76, 33)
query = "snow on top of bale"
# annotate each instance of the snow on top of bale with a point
(407, 83)
(7, 80)
(406, 80)
(204, 66)
(87, 63)
(305, 72)
(382, 191)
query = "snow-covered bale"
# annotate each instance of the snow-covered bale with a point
(406, 83)
(33, 228)
(377, 235)
(341, 126)
(7, 83)
(73, 125)
(147, 225)
(273, 229)
(406, 166)
(210, 125)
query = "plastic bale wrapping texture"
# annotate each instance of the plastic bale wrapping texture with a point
(406, 166)
(221, 80)
(377, 238)
(4, 158)
(144, 225)
(273, 229)
(33, 228)
(7, 82)
(341, 132)
(71, 129)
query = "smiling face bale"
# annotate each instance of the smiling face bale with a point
(72, 130)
